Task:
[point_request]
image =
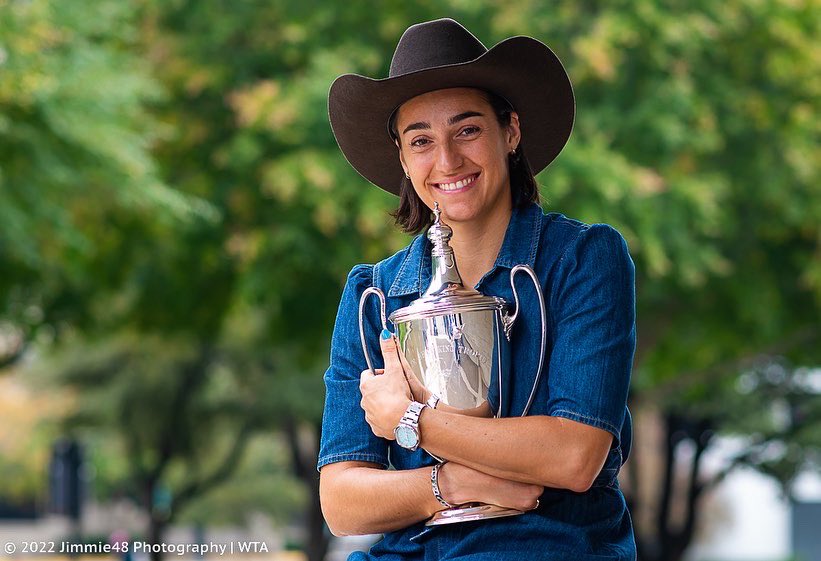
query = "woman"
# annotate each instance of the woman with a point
(464, 126)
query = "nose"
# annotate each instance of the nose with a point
(448, 159)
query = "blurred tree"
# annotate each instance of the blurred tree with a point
(179, 415)
(696, 136)
(76, 179)
(74, 150)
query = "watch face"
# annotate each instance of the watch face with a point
(406, 437)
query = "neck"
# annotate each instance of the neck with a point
(476, 245)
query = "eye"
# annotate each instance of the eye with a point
(420, 142)
(470, 130)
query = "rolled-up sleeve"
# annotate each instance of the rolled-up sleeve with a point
(346, 435)
(594, 323)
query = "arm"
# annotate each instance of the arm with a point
(569, 454)
(362, 498)
(566, 454)
(353, 498)
(593, 307)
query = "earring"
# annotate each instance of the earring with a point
(407, 175)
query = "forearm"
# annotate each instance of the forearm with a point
(542, 450)
(481, 411)
(358, 498)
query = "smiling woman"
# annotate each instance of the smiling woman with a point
(413, 215)
(450, 126)
(455, 151)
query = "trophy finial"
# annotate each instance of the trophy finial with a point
(439, 233)
(443, 263)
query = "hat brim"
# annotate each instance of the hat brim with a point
(522, 70)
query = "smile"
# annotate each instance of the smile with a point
(457, 185)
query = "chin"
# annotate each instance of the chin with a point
(459, 212)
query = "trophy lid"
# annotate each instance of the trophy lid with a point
(446, 294)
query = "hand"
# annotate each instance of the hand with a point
(460, 484)
(419, 392)
(386, 395)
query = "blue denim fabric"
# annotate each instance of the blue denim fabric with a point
(587, 277)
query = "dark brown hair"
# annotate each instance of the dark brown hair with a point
(413, 216)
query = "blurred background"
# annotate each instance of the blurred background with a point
(176, 224)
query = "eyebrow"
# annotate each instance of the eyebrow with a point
(452, 121)
(462, 116)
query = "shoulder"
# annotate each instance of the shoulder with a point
(569, 238)
(361, 274)
(572, 251)
(365, 275)
(360, 277)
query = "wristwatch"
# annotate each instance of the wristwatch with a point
(407, 431)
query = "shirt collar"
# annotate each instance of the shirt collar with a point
(519, 247)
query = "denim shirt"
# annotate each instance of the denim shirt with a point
(588, 278)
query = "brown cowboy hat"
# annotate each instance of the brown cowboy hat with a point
(441, 54)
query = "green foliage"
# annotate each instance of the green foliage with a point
(75, 160)
(262, 484)
(171, 190)
(697, 137)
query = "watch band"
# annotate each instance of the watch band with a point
(434, 483)
(433, 401)
(411, 416)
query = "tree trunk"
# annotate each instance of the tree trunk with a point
(304, 467)
(156, 530)
(670, 539)
(318, 540)
(156, 521)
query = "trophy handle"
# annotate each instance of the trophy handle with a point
(381, 295)
(509, 321)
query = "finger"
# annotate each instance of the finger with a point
(403, 359)
(411, 374)
(364, 377)
(376, 371)
(390, 355)
(418, 389)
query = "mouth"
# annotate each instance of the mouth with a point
(458, 185)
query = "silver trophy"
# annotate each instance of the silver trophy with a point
(455, 340)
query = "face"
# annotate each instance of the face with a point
(455, 151)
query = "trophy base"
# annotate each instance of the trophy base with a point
(477, 511)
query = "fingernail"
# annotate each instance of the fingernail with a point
(386, 335)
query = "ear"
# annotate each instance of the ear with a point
(514, 132)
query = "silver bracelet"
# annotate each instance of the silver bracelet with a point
(434, 483)
(432, 401)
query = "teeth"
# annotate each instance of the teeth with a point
(457, 185)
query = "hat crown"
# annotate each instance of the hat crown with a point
(434, 43)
